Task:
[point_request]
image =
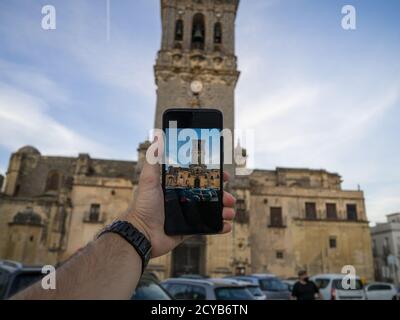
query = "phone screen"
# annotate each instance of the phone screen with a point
(193, 172)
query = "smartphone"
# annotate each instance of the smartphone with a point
(192, 171)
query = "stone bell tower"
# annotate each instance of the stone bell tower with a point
(196, 66)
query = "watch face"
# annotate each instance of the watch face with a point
(196, 86)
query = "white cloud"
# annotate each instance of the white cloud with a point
(24, 121)
(32, 81)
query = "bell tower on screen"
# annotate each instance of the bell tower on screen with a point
(196, 66)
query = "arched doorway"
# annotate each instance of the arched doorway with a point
(189, 257)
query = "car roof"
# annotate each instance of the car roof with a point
(384, 283)
(238, 282)
(12, 266)
(289, 281)
(208, 282)
(331, 276)
(262, 275)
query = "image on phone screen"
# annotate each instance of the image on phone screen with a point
(192, 181)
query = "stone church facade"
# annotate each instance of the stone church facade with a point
(287, 219)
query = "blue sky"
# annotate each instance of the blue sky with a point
(316, 95)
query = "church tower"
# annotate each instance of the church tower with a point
(196, 66)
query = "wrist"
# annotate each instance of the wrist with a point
(138, 224)
(132, 234)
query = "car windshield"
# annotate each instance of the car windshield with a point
(233, 293)
(337, 284)
(24, 280)
(272, 284)
(322, 283)
(149, 290)
(255, 291)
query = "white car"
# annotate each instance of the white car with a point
(381, 291)
(331, 288)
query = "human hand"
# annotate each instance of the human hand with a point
(147, 211)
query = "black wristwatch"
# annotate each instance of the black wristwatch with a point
(137, 239)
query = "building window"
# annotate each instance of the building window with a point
(332, 243)
(352, 212)
(179, 30)
(94, 213)
(386, 247)
(311, 211)
(279, 254)
(276, 219)
(241, 212)
(218, 33)
(331, 212)
(53, 181)
(198, 32)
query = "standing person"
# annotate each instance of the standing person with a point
(305, 289)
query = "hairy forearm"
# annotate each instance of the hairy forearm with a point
(108, 268)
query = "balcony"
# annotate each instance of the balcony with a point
(277, 223)
(94, 217)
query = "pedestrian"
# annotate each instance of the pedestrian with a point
(305, 289)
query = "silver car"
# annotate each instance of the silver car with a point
(381, 291)
(271, 285)
(331, 287)
(209, 289)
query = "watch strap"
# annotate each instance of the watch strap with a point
(132, 235)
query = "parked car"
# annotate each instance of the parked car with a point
(210, 289)
(193, 276)
(254, 289)
(271, 285)
(290, 284)
(214, 195)
(330, 286)
(149, 289)
(381, 291)
(15, 277)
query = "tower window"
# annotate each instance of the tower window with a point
(179, 30)
(198, 32)
(218, 33)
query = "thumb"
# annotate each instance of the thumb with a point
(150, 175)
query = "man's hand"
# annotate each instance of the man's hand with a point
(147, 211)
